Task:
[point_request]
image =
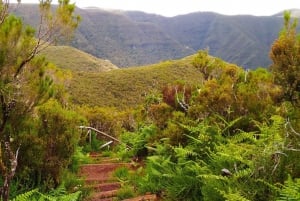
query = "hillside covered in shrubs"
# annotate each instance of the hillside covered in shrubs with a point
(202, 128)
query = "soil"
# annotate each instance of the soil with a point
(99, 177)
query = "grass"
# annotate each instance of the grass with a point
(123, 88)
(67, 57)
(122, 174)
(125, 192)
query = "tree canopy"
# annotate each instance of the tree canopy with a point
(24, 81)
(286, 61)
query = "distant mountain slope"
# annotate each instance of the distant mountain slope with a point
(244, 40)
(137, 38)
(67, 57)
(125, 42)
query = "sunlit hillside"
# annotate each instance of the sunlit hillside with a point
(129, 87)
(67, 57)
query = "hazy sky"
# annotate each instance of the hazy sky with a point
(176, 7)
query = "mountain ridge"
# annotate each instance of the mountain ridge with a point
(134, 38)
(67, 57)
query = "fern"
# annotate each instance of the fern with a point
(194, 130)
(212, 177)
(184, 153)
(244, 137)
(203, 139)
(290, 190)
(270, 186)
(44, 197)
(228, 125)
(57, 195)
(245, 173)
(184, 183)
(59, 191)
(233, 196)
(25, 196)
(70, 197)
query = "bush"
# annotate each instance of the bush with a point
(77, 159)
(49, 142)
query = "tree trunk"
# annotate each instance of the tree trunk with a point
(10, 170)
(6, 189)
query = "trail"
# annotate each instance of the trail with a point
(99, 177)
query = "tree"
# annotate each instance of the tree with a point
(210, 67)
(285, 53)
(57, 128)
(23, 81)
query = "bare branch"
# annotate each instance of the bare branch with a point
(50, 29)
(289, 126)
(4, 10)
(182, 102)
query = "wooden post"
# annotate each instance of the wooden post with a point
(90, 136)
(102, 133)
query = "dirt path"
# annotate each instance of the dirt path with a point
(104, 185)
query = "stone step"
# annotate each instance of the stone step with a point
(106, 186)
(99, 177)
(104, 170)
(102, 199)
(103, 165)
(97, 157)
(97, 181)
(149, 197)
(108, 199)
(104, 194)
(106, 160)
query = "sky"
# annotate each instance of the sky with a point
(171, 8)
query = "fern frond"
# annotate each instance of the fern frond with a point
(25, 196)
(193, 130)
(233, 196)
(195, 140)
(290, 190)
(35, 195)
(244, 136)
(232, 157)
(60, 190)
(278, 122)
(228, 124)
(211, 176)
(271, 186)
(184, 152)
(71, 197)
(43, 197)
(243, 173)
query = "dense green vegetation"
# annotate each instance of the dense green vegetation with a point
(37, 137)
(204, 129)
(232, 136)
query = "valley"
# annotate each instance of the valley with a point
(136, 106)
